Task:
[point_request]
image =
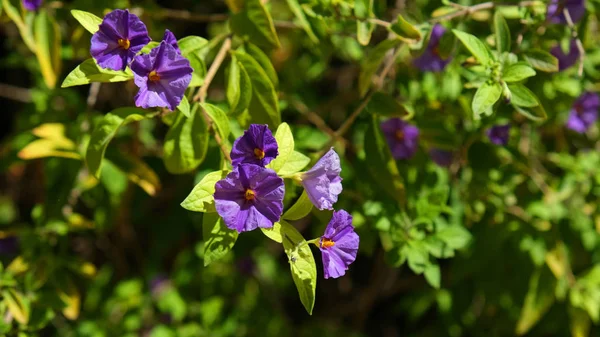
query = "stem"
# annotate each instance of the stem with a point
(188, 16)
(468, 10)
(577, 41)
(212, 71)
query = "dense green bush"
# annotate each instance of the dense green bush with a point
(465, 133)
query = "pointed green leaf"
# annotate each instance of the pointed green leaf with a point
(502, 32)
(517, 72)
(300, 209)
(299, 13)
(433, 275)
(89, 71)
(371, 64)
(186, 142)
(363, 9)
(542, 60)
(295, 163)
(16, 305)
(521, 96)
(405, 29)
(48, 46)
(274, 233)
(239, 88)
(219, 118)
(184, 107)
(285, 143)
(255, 24)
(485, 97)
(199, 67)
(481, 52)
(201, 199)
(538, 300)
(218, 239)
(190, 44)
(88, 20)
(265, 62)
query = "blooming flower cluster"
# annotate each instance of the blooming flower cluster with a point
(251, 196)
(163, 75)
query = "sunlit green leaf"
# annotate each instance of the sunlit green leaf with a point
(218, 239)
(186, 142)
(201, 198)
(89, 71)
(88, 20)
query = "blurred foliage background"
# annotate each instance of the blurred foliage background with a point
(501, 241)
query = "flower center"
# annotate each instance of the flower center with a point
(154, 76)
(249, 195)
(124, 43)
(578, 108)
(400, 135)
(260, 154)
(327, 243)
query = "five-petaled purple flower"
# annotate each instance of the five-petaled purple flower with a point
(170, 38)
(556, 10)
(322, 182)
(566, 60)
(584, 112)
(498, 134)
(402, 138)
(162, 76)
(441, 157)
(431, 60)
(249, 197)
(338, 245)
(256, 146)
(32, 5)
(120, 37)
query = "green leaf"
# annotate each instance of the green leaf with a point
(191, 44)
(48, 47)
(405, 29)
(455, 237)
(542, 60)
(186, 143)
(265, 63)
(151, 45)
(300, 209)
(502, 32)
(364, 30)
(517, 72)
(184, 107)
(89, 71)
(136, 170)
(538, 300)
(386, 106)
(299, 13)
(296, 162)
(481, 52)
(485, 97)
(199, 67)
(285, 143)
(302, 265)
(88, 20)
(264, 106)
(16, 305)
(219, 118)
(201, 199)
(274, 233)
(218, 239)
(381, 164)
(521, 96)
(105, 131)
(363, 9)
(433, 275)
(24, 29)
(255, 24)
(371, 64)
(239, 88)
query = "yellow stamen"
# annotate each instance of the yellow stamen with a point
(327, 243)
(153, 76)
(124, 43)
(400, 135)
(260, 154)
(249, 195)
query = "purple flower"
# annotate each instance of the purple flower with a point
(121, 35)
(566, 60)
(402, 138)
(322, 182)
(441, 157)
(249, 197)
(556, 8)
(170, 38)
(584, 112)
(256, 146)
(9, 245)
(32, 5)
(162, 76)
(159, 284)
(498, 134)
(431, 60)
(338, 245)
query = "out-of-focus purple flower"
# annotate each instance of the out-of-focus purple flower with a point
(249, 197)
(338, 245)
(322, 182)
(162, 76)
(246, 266)
(441, 157)
(256, 146)
(32, 5)
(498, 134)
(402, 138)
(9, 245)
(120, 37)
(170, 38)
(556, 8)
(566, 60)
(159, 284)
(431, 60)
(584, 112)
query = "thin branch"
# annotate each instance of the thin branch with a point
(189, 16)
(15, 93)
(468, 10)
(577, 41)
(212, 71)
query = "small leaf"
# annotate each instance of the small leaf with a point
(299, 13)
(485, 97)
(184, 107)
(538, 300)
(371, 64)
(265, 63)
(481, 52)
(199, 72)
(105, 131)
(433, 275)
(53, 143)
(300, 209)
(239, 88)
(296, 162)
(455, 237)
(502, 32)
(16, 305)
(136, 170)
(218, 239)
(364, 30)
(219, 118)
(255, 24)
(274, 233)
(201, 199)
(517, 72)
(88, 20)
(405, 29)
(542, 60)
(72, 298)
(285, 143)
(48, 46)
(521, 96)
(387, 106)
(363, 9)
(186, 142)
(89, 71)
(190, 44)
